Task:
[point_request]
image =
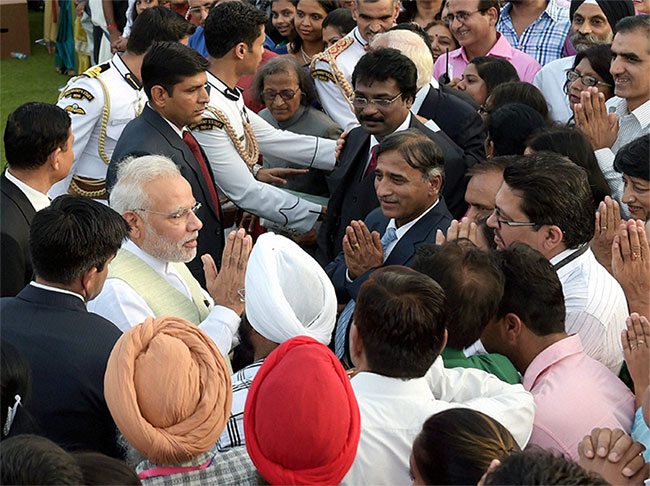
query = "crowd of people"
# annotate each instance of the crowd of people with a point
(331, 242)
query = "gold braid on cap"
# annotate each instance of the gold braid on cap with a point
(249, 153)
(329, 56)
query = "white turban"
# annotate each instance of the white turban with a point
(288, 294)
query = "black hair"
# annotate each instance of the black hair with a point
(168, 63)
(456, 446)
(284, 64)
(296, 41)
(494, 71)
(35, 130)
(572, 143)
(473, 284)
(554, 191)
(31, 459)
(100, 469)
(73, 235)
(511, 125)
(418, 150)
(632, 158)
(401, 316)
(600, 58)
(410, 10)
(231, 23)
(632, 23)
(157, 24)
(538, 466)
(16, 379)
(532, 291)
(387, 63)
(518, 92)
(341, 18)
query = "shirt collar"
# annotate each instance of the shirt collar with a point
(157, 264)
(552, 10)
(402, 230)
(130, 78)
(222, 87)
(404, 126)
(420, 96)
(368, 383)
(553, 354)
(642, 114)
(501, 48)
(357, 37)
(569, 266)
(178, 131)
(56, 289)
(37, 199)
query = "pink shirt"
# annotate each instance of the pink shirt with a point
(525, 65)
(573, 394)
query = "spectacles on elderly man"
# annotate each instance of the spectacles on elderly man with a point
(286, 94)
(176, 215)
(586, 79)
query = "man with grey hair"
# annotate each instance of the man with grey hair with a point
(148, 277)
(408, 182)
(437, 109)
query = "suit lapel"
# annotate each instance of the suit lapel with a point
(11, 190)
(405, 248)
(157, 121)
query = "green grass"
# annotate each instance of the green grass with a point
(31, 79)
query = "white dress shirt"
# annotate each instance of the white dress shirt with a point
(37, 199)
(420, 96)
(393, 412)
(119, 303)
(630, 126)
(596, 308)
(56, 289)
(550, 80)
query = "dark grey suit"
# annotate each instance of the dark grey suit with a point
(16, 215)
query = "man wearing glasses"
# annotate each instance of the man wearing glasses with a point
(545, 202)
(148, 277)
(384, 82)
(473, 23)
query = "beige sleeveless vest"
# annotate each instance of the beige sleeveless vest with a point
(163, 299)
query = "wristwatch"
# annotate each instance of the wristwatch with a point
(256, 168)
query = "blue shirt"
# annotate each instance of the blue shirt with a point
(544, 38)
(197, 41)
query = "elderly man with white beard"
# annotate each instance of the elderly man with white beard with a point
(148, 277)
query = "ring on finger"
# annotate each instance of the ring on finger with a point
(603, 228)
(633, 346)
(634, 256)
(640, 341)
(356, 246)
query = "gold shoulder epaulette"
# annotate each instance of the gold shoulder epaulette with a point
(93, 72)
(206, 124)
(330, 54)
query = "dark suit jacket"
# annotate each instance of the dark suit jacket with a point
(424, 231)
(16, 215)
(458, 120)
(149, 134)
(67, 348)
(353, 194)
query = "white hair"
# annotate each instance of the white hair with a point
(132, 174)
(412, 46)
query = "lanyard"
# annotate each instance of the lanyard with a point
(569, 258)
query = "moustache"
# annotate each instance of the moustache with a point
(371, 118)
(391, 200)
(590, 39)
(194, 236)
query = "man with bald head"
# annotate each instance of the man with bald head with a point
(592, 22)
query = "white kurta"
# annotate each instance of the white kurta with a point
(119, 303)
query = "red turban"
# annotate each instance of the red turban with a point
(301, 419)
